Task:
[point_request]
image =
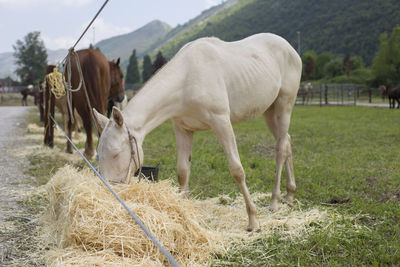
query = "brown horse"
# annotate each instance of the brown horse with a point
(46, 102)
(392, 93)
(103, 80)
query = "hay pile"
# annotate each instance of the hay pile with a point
(36, 132)
(87, 224)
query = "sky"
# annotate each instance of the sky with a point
(61, 22)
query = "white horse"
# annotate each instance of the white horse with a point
(210, 84)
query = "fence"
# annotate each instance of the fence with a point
(12, 89)
(338, 94)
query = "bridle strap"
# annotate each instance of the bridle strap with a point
(133, 158)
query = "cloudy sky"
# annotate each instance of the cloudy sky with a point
(61, 22)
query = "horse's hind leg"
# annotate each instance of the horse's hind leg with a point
(277, 118)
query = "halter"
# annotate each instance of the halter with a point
(133, 158)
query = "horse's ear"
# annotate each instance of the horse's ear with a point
(117, 62)
(100, 121)
(117, 116)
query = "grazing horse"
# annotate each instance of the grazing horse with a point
(103, 80)
(210, 84)
(392, 93)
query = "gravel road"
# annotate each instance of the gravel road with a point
(15, 220)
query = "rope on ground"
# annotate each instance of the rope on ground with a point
(134, 217)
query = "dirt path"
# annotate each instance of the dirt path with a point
(15, 220)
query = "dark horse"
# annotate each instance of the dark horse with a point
(30, 90)
(392, 93)
(103, 80)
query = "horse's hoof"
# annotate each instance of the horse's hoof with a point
(253, 227)
(88, 156)
(288, 201)
(274, 206)
(257, 230)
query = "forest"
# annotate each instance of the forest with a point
(337, 26)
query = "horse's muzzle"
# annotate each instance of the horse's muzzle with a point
(119, 97)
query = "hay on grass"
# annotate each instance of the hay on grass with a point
(85, 220)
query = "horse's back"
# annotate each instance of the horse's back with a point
(245, 76)
(96, 73)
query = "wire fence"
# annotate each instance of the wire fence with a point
(339, 94)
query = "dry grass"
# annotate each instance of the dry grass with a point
(85, 223)
(85, 217)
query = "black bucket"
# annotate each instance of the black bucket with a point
(151, 173)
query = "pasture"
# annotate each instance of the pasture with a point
(346, 162)
(14, 99)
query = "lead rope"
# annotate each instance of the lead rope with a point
(131, 136)
(68, 84)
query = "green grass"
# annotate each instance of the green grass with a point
(14, 99)
(346, 160)
(345, 157)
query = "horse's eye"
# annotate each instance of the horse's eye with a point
(115, 156)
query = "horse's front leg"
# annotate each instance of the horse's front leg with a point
(184, 140)
(223, 128)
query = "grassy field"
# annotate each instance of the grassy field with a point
(346, 158)
(346, 161)
(14, 99)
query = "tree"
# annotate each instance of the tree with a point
(348, 65)
(159, 62)
(132, 72)
(320, 62)
(333, 68)
(386, 64)
(308, 59)
(147, 68)
(31, 58)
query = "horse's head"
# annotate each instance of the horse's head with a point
(120, 154)
(117, 91)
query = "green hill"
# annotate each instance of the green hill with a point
(140, 39)
(342, 27)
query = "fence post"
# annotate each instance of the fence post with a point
(320, 94)
(370, 95)
(326, 94)
(341, 91)
(355, 96)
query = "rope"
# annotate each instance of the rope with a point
(56, 82)
(134, 217)
(90, 24)
(68, 66)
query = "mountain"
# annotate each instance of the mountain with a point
(140, 39)
(118, 46)
(339, 26)
(8, 66)
(198, 20)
